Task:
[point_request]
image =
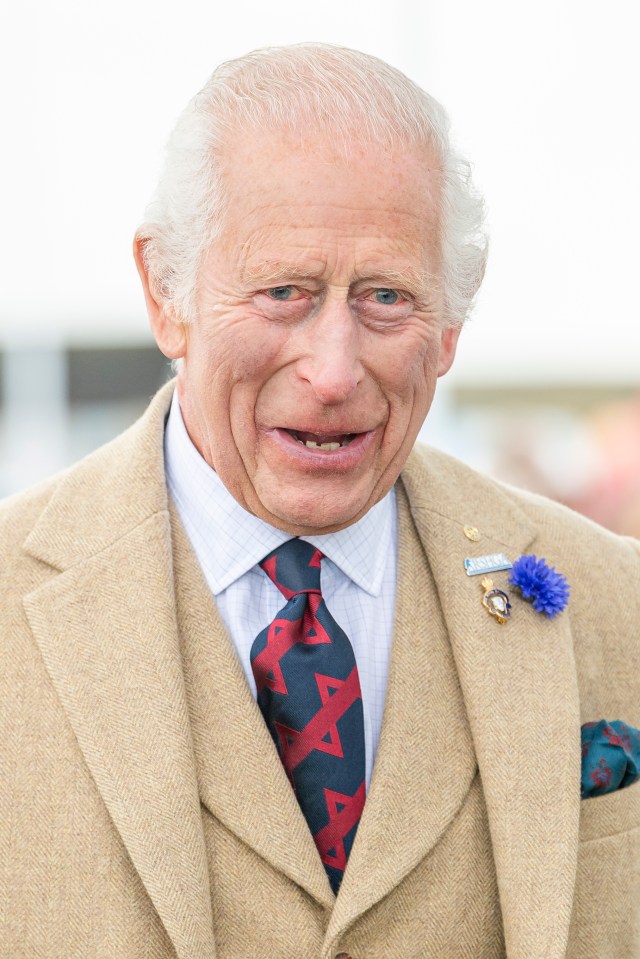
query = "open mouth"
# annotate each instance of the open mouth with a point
(321, 441)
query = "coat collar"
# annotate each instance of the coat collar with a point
(107, 495)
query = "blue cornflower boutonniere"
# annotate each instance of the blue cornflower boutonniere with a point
(541, 585)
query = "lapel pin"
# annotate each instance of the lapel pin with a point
(471, 532)
(492, 563)
(495, 601)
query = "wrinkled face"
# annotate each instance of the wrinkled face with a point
(314, 356)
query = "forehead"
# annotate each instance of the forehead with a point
(308, 194)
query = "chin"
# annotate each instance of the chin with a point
(304, 518)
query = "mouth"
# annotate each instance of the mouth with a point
(327, 442)
(312, 451)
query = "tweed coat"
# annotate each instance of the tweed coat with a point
(108, 808)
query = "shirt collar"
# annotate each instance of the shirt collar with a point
(229, 541)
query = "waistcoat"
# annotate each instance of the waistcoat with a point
(420, 882)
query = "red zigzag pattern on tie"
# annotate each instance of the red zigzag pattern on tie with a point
(330, 839)
(296, 746)
(282, 636)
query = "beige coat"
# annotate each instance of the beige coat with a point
(145, 813)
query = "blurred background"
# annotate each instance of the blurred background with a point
(545, 392)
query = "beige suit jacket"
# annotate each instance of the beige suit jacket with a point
(102, 846)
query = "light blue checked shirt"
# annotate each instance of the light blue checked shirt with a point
(358, 576)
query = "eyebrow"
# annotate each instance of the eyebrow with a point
(414, 281)
(272, 273)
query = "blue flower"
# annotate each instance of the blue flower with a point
(540, 584)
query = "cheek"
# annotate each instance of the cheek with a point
(408, 366)
(235, 347)
(429, 367)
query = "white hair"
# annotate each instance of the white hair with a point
(292, 87)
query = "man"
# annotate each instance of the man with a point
(204, 621)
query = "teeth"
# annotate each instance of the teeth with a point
(329, 447)
(312, 445)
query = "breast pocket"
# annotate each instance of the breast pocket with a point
(610, 814)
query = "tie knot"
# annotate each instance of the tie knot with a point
(294, 567)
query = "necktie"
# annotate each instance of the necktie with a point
(309, 695)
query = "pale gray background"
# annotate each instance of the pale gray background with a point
(543, 98)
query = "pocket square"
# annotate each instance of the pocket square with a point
(610, 757)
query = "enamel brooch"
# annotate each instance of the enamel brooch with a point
(495, 601)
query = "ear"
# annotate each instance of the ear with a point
(169, 333)
(448, 345)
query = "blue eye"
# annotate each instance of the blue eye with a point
(280, 292)
(387, 297)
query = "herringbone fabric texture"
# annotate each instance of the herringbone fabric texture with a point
(309, 694)
(144, 816)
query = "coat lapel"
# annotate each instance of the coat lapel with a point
(106, 629)
(241, 779)
(419, 781)
(520, 691)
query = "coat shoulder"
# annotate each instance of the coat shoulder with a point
(553, 521)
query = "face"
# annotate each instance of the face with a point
(318, 340)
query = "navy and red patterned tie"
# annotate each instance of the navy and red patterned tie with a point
(309, 694)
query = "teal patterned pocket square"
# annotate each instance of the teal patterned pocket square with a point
(610, 757)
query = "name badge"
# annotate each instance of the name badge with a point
(486, 564)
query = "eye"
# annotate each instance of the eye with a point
(387, 297)
(282, 293)
(384, 308)
(285, 303)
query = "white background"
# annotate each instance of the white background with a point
(543, 96)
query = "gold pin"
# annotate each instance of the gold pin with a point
(495, 601)
(471, 533)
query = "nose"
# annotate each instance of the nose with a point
(330, 361)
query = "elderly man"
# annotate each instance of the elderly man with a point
(255, 701)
